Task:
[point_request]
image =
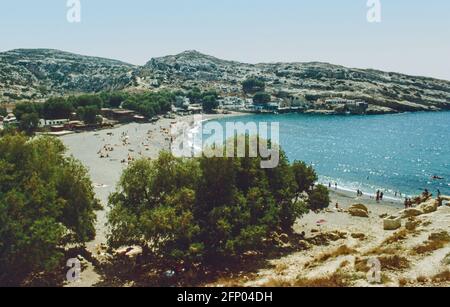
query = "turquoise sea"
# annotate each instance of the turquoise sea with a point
(393, 153)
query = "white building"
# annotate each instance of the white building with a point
(52, 122)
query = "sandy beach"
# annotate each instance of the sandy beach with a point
(107, 153)
(353, 241)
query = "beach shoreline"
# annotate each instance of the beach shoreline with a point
(136, 140)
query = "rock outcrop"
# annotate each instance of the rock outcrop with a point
(358, 210)
(392, 223)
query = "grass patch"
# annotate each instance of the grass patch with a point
(442, 277)
(336, 280)
(394, 263)
(398, 236)
(435, 242)
(343, 250)
(381, 250)
(388, 263)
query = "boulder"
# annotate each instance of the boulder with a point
(412, 224)
(429, 206)
(130, 252)
(358, 212)
(336, 236)
(411, 212)
(360, 207)
(392, 223)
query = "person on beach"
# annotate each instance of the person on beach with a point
(439, 193)
(406, 203)
(329, 185)
(381, 196)
(378, 196)
(335, 185)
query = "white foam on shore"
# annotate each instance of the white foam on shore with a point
(347, 189)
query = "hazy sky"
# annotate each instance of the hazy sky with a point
(413, 37)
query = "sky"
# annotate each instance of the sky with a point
(413, 36)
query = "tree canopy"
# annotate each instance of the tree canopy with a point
(261, 98)
(253, 85)
(205, 209)
(46, 202)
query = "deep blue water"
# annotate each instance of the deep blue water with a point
(389, 152)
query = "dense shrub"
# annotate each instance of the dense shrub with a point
(46, 202)
(206, 209)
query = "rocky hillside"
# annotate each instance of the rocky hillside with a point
(34, 74)
(387, 91)
(39, 73)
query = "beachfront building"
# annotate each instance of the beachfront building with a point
(232, 103)
(347, 105)
(43, 123)
(9, 120)
(120, 115)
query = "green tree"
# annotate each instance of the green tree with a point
(319, 198)
(3, 111)
(89, 114)
(305, 176)
(261, 98)
(253, 85)
(210, 103)
(29, 123)
(203, 209)
(25, 108)
(57, 108)
(46, 202)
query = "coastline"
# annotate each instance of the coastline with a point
(147, 141)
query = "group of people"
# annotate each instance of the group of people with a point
(380, 196)
(408, 203)
(104, 152)
(359, 193)
(335, 185)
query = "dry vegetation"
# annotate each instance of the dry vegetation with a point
(442, 277)
(336, 280)
(343, 250)
(399, 236)
(435, 242)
